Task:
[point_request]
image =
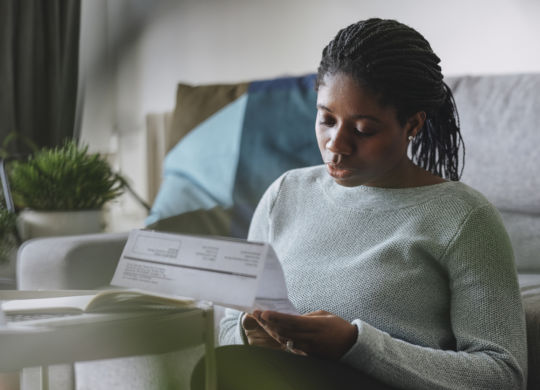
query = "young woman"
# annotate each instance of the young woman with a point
(405, 276)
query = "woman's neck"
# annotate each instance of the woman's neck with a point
(410, 175)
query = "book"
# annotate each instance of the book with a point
(105, 301)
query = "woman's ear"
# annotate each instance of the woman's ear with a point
(415, 123)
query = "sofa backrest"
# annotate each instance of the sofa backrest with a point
(252, 132)
(500, 123)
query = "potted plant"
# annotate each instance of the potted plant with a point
(62, 191)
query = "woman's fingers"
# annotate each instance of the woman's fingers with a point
(263, 341)
(284, 322)
(249, 322)
(319, 333)
(287, 325)
(317, 313)
(256, 334)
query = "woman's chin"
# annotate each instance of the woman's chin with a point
(348, 182)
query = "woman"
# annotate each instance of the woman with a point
(405, 279)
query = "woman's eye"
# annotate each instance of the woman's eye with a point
(365, 132)
(327, 122)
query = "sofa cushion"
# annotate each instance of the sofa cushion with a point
(196, 103)
(500, 122)
(524, 232)
(226, 162)
(215, 221)
(199, 172)
(278, 135)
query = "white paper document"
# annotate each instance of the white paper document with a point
(234, 273)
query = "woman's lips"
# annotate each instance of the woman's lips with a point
(339, 171)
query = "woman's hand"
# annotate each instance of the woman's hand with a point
(256, 334)
(320, 333)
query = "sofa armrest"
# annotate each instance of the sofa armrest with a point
(532, 316)
(530, 293)
(69, 262)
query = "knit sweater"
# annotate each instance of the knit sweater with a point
(426, 274)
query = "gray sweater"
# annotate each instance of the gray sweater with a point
(426, 274)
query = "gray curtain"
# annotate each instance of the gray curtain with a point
(39, 50)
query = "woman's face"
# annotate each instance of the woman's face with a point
(368, 136)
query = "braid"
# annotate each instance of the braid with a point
(397, 63)
(441, 130)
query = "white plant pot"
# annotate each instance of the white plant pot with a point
(32, 223)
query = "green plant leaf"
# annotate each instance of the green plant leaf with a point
(64, 178)
(8, 237)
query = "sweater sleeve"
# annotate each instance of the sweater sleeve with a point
(486, 315)
(230, 328)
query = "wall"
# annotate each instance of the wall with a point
(147, 46)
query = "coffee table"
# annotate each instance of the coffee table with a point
(93, 336)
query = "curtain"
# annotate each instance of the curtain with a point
(39, 50)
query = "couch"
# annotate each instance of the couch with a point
(226, 143)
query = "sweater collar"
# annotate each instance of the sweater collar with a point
(366, 197)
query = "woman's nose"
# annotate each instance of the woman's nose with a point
(339, 142)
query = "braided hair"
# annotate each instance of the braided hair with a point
(397, 64)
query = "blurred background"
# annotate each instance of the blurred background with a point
(94, 69)
(132, 53)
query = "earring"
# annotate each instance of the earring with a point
(410, 137)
